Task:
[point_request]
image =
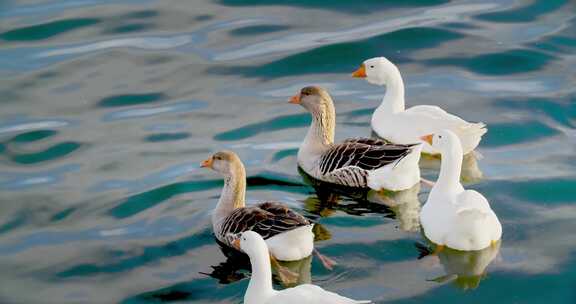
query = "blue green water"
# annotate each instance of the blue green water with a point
(107, 107)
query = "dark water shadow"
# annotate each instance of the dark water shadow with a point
(195, 290)
(233, 269)
(11, 148)
(142, 201)
(271, 125)
(147, 256)
(343, 6)
(131, 99)
(165, 137)
(47, 30)
(512, 133)
(509, 62)
(331, 197)
(258, 30)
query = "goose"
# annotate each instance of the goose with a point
(356, 162)
(393, 122)
(260, 290)
(288, 234)
(452, 216)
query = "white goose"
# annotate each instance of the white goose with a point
(452, 216)
(358, 162)
(393, 122)
(288, 234)
(260, 290)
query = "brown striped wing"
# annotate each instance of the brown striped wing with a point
(267, 219)
(364, 153)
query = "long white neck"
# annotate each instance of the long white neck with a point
(260, 286)
(450, 168)
(393, 101)
(321, 132)
(233, 194)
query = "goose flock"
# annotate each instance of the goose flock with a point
(453, 218)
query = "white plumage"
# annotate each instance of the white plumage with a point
(393, 122)
(260, 289)
(452, 216)
(292, 245)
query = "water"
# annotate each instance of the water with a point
(107, 107)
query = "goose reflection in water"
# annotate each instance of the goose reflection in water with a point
(237, 264)
(464, 268)
(404, 206)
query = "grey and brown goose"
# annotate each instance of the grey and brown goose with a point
(358, 162)
(288, 234)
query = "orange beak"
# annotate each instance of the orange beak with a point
(427, 138)
(360, 72)
(207, 163)
(236, 244)
(295, 99)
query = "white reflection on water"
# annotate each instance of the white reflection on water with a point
(139, 112)
(37, 9)
(146, 43)
(33, 124)
(18, 181)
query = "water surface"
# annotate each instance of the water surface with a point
(108, 107)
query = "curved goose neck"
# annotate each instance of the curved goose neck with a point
(321, 132)
(450, 168)
(234, 192)
(260, 285)
(393, 101)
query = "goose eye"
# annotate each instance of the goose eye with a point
(371, 66)
(439, 136)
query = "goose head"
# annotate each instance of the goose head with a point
(249, 242)
(224, 162)
(314, 99)
(444, 140)
(376, 71)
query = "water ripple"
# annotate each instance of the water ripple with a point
(16, 181)
(181, 107)
(145, 43)
(32, 124)
(308, 40)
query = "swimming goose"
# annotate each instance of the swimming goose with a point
(358, 162)
(452, 216)
(260, 290)
(393, 122)
(288, 234)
